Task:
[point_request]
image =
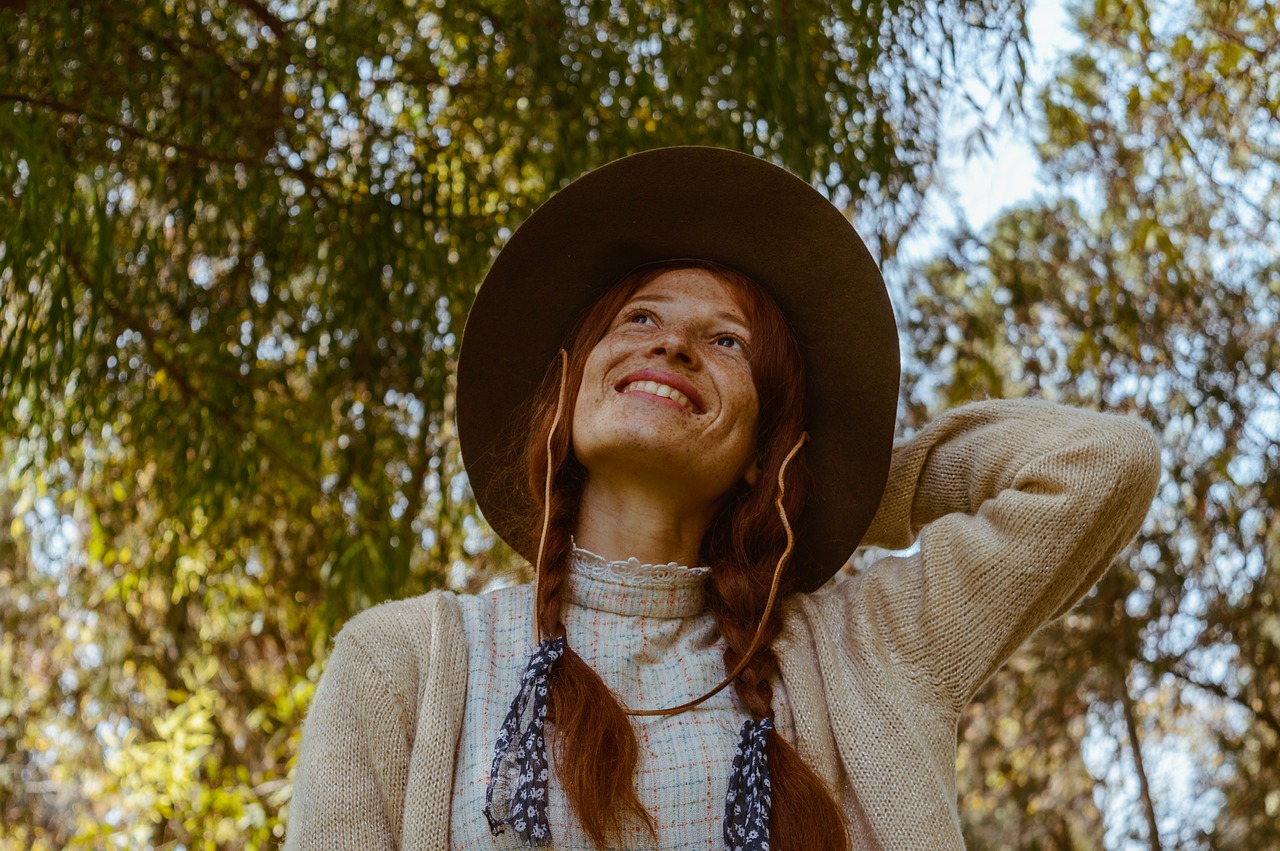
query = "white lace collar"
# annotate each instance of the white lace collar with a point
(631, 587)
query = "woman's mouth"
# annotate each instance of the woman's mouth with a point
(665, 391)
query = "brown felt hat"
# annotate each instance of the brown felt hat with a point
(710, 204)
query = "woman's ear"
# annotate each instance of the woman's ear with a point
(752, 475)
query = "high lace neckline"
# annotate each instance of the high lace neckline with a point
(630, 587)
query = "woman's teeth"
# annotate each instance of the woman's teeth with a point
(660, 390)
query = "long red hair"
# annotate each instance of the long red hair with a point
(742, 546)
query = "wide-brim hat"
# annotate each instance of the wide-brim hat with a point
(692, 203)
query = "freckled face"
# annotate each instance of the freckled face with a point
(667, 395)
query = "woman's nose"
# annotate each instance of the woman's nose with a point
(674, 343)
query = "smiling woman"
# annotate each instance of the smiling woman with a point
(704, 388)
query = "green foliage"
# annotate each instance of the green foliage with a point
(1151, 286)
(238, 244)
(239, 240)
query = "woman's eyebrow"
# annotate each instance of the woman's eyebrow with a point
(723, 315)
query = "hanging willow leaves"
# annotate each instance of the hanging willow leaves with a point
(239, 240)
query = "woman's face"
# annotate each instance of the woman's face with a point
(667, 396)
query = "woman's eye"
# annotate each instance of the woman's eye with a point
(640, 319)
(728, 341)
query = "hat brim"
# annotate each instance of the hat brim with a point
(712, 204)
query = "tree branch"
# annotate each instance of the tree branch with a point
(127, 129)
(281, 30)
(188, 390)
(309, 178)
(1270, 719)
(1135, 744)
(268, 18)
(1238, 39)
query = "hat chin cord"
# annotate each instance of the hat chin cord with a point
(773, 588)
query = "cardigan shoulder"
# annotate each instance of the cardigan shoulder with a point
(409, 642)
(375, 763)
(1015, 510)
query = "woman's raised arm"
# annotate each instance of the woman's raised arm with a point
(1018, 508)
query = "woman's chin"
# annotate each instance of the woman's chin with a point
(655, 440)
(687, 473)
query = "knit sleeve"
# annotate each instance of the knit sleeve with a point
(1018, 508)
(352, 766)
(377, 751)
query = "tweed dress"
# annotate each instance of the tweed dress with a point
(643, 629)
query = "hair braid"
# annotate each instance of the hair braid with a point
(743, 547)
(804, 814)
(737, 607)
(595, 748)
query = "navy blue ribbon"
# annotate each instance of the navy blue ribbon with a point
(750, 797)
(516, 797)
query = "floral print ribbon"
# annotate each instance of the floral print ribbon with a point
(517, 793)
(750, 796)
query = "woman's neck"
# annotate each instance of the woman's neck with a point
(655, 527)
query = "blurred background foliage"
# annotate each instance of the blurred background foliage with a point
(237, 244)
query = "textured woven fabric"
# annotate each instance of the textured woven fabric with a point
(1017, 509)
(516, 793)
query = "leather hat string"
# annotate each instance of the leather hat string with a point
(546, 502)
(768, 606)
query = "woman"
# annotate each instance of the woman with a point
(693, 475)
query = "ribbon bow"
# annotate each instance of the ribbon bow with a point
(517, 793)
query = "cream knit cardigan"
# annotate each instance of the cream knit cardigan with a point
(1017, 507)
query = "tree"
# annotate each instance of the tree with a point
(1149, 285)
(239, 240)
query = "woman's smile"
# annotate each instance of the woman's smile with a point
(662, 387)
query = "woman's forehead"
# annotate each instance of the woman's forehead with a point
(693, 289)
